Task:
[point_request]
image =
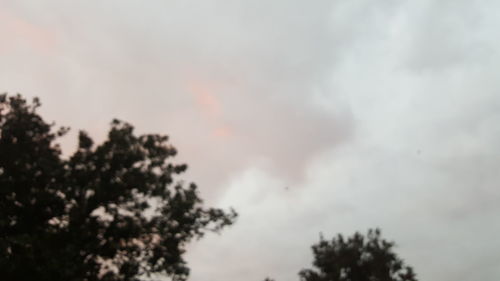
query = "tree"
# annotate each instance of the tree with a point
(358, 258)
(111, 212)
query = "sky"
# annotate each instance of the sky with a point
(307, 117)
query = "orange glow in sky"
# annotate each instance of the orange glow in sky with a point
(20, 31)
(210, 105)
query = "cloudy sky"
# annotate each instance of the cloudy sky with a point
(305, 116)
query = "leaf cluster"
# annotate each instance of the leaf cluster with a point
(357, 258)
(110, 212)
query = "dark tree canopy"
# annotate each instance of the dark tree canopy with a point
(357, 258)
(110, 212)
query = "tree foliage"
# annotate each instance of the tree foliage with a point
(110, 212)
(357, 258)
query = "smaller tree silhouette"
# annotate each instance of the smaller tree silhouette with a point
(357, 258)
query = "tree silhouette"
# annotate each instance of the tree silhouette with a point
(357, 258)
(111, 212)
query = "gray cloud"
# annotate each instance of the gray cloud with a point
(372, 114)
(228, 80)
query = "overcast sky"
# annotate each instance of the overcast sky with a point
(305, 116)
